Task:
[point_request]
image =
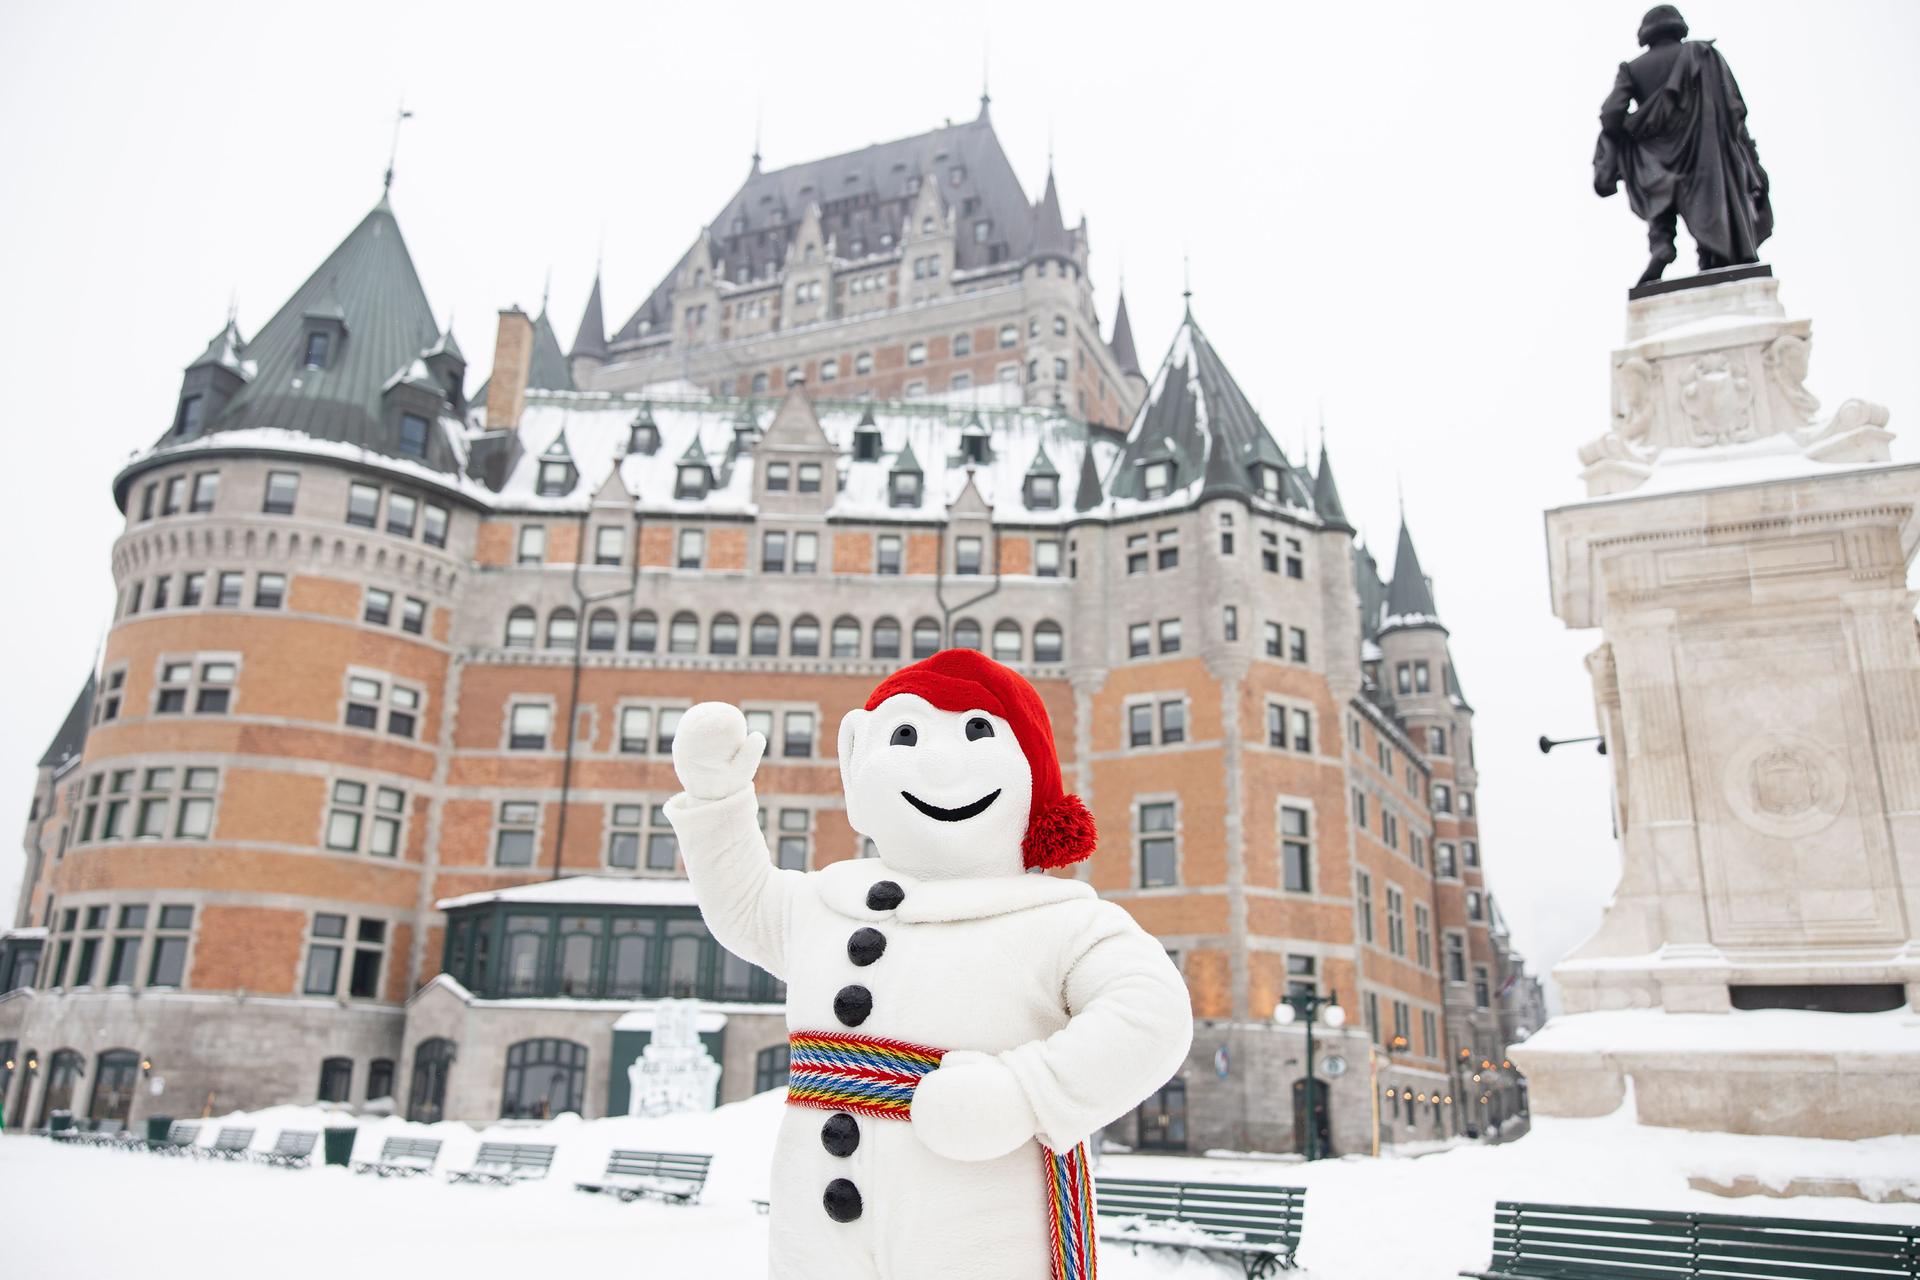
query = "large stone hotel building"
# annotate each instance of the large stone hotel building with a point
(363, 800)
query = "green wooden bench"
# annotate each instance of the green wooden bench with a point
(292, 1150)
(669, 1175)
(181, 1135)
(1257, 1227)
(402, 1158)
(1570, 1242)
(231, 1144)
(505, 1163)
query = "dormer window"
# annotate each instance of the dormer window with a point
(779, 476)
(644, 438)
(1268, 477)
(903, 489)
(1043, 493)
(866, 444)
(319, 346)
(190, 412)
(413, 435)
(554, 480)
(1156, 479)
(692, 481)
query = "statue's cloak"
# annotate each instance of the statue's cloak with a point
(1686, 149)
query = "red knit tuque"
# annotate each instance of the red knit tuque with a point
(1059, 829)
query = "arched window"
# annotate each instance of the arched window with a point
(336, 1079)
(603, 630)
(846, 637)
(380, 1079)
(563, 628)
(806, 637)
(770, 1068)
(522, 627)
(1048, 644)
(545, 1078)
(427, 1097)
(115, 1074)
(64, 1070)
(723, 637)
(966, 634)
(886, 638)
(765, 639)
(643, 632)
(926, 638)
(1006, 640)
(683, 634)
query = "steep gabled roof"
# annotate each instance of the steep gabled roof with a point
(1371, 590)
(591, 337)
(548, 370)
(1050, 238)
(1409, 595)
(71, 737)
(863, 195)
(368, 287)
(1326, 493)
(1197, 418)
(1122, 342)
(226, 351)
(1087, 495)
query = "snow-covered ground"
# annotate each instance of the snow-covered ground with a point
(80, 1212)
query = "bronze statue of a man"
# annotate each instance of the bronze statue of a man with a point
(1683, 150)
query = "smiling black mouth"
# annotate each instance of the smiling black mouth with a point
(961, 814)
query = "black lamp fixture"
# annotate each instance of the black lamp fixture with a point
(1548, 744)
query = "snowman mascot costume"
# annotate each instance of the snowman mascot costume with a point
(958, 1026)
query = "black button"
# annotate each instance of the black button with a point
(842, 1200)
(866, 946)
(840, 1135)
(885, 895)
(852, 1004)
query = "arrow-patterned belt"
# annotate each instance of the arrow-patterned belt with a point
(870, 1076)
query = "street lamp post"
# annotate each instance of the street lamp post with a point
(1307, 1007)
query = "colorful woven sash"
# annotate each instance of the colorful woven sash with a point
(870, 1076)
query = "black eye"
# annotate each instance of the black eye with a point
(905, 736)
(979, 727)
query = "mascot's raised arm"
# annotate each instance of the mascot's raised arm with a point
(959, 1026)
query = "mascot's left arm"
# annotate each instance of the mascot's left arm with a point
(1130, 1025)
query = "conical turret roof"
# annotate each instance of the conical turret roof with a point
(1326, 492)
(591, 338)
(1122, 343)
(1050, 239)
(1409, 595)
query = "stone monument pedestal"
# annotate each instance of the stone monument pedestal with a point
(1758, 684)
(674, 1072)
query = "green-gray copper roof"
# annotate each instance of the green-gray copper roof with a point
(368, 287)
(71, 737)
(1326, 493)
(1409, 596)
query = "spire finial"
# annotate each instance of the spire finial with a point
(1186, 289)
(546, 288)
(986, 59)
(759, 112)
(400, 113)
(233, 305)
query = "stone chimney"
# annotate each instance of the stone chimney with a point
(512, 362)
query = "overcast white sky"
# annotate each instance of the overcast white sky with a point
(1388, 211)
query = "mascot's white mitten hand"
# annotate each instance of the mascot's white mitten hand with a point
(971, 1107)
(713, 753)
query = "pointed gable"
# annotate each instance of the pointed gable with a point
(1410, 594)
(1088, 494)
(548, 370)
(1050, 238)
(1122, 343)
(590, 339)
(1326, 493)
(795, 427)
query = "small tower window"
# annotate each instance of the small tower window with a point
(553, 479)
(319, 346)
(866, 444)
(903, 489)
(190, 411)
(1043, 493)
(691, 482)
(1269, 478)
(413, 435)
(973, 449)
(1157, 478)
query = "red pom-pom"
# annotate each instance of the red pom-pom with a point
(1058, 836)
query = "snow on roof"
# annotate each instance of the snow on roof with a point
(618, 891)
(597, 427)
(25, 934)
(282, 440)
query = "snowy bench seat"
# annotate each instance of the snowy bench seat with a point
(231, 1144)
(674, 1176)
(1257, 1227)
(292, 1150)
(504, 1163)
(402, 1158)
(181, 1135)
(1559, 1240)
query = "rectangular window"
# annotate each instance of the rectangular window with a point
(193, 590)
(379, 607)
(1046, 558)
(413, 435)
(283, 487)
(363, 505)
(513, 837)
(323, 955)
(269, 590)
(532, 546)
(636, 729)
(1360, 808)
(806, 552)
(1296, 645)
(146, 501)
(176, 494)
(1170, 635)
(160, 585)
(609, 544)
(809, 477)
(779, 477)
(370, 945)
(1302, 978)
(1456, 958)
(1270, 551)
(1475, 908)
(966, 555)
(797, 740)
(401, 716)
(206, 486)
(434, 531)
(124, 965)
(1442, 798)
(887, 553)
(663, 846)
(1229, 623)
(793, 847)
(1470, 850)
(215, 694)
(363, 702)
(1273, 640)
(625, 829)
(1140, 724)
(413, 615)
(1156, 833)
(1363, 904)
(1296, 849)
(169, 964)
(1396, 921)
(1482, 987)
(773, 551)
(1167, 549)
(1173, 722)
(529, 725)
(1139, 640)
(1422, 935)
(1136, 554)
(692, 548)
(230, 588)
(151, 817)
(666, 724)
(1296, 566)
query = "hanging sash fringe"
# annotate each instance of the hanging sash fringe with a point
(870, 1076)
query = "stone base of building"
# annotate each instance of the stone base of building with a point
(1782, 1072)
